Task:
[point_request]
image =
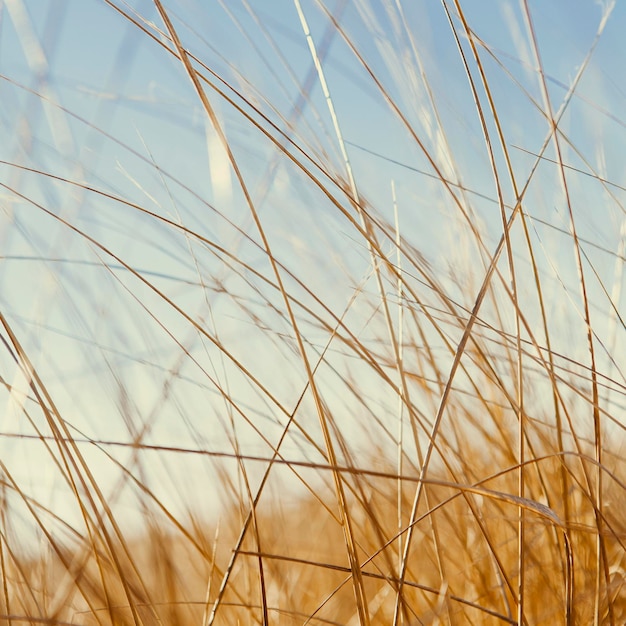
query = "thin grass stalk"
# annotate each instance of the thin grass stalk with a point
(616, 292)
(601, 556)
(401, 400)
(519, 405)
(6, 605)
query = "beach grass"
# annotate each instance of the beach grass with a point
(312, 314)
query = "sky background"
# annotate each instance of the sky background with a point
(89, 98)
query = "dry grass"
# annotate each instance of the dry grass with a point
(296, 381)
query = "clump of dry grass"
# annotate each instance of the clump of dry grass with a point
(255, 371)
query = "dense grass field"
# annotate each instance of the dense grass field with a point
(312, 313)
